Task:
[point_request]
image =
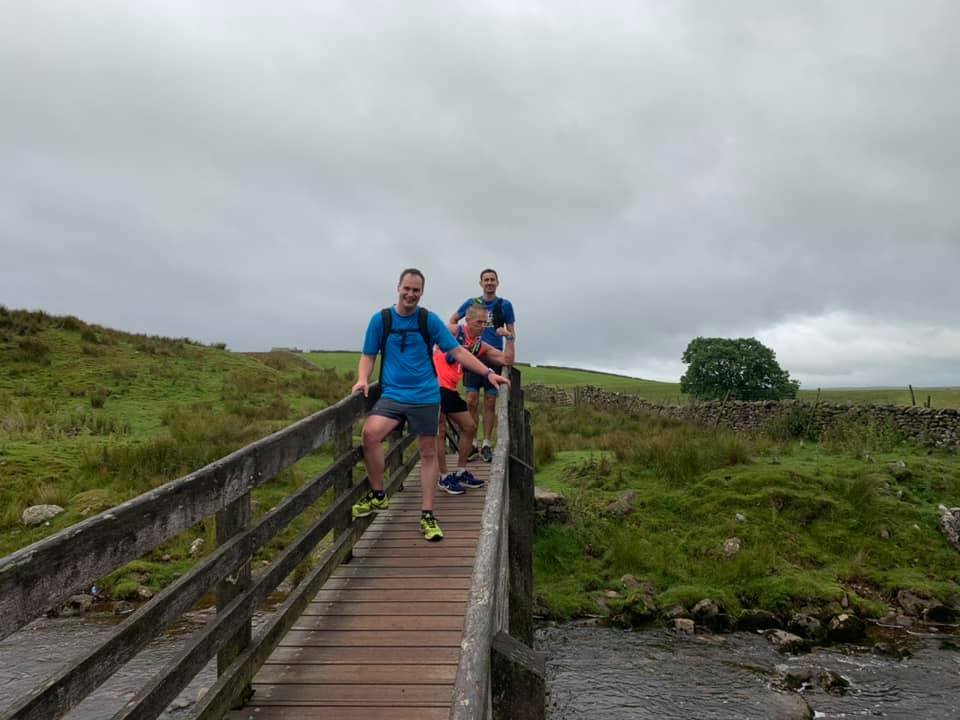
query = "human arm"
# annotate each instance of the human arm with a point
(364, 368)
(500, 357)
(368, 355)
(469, 362)
(459, 313)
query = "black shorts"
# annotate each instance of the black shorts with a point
(473, 382)
(451, 402)
(423, 419)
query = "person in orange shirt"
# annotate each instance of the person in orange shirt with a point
(449, 374)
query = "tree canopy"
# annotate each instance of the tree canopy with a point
(745, 368)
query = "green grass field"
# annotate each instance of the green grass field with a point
(669, 393)
(91, 417)
(821, 519)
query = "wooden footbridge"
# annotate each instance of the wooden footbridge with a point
(385, 625)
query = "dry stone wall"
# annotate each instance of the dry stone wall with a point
(939, 427)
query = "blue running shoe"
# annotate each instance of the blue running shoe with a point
(467, 478)
(451, 485)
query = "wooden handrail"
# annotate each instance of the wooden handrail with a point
(472, 685)
(141, 524)
(43, 574)
(499, 673)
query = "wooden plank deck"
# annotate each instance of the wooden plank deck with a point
(382, 637)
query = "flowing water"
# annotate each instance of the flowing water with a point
(604, 673)
(595, 673)
(49, 644)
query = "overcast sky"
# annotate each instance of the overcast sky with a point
(640, 173)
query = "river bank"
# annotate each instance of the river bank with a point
(661, 522)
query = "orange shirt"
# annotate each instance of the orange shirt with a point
(450, 374)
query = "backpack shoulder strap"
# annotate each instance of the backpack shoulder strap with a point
(422, 317)
(498, 320)
(386, 320)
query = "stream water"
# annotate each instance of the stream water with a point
(604, 673)
(596, 673)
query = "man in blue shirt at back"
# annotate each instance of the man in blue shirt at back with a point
(500, 320)
(410, 391)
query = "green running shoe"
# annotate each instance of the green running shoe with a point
(369, 503)
(431, 529)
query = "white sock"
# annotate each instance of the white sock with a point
(486, 443)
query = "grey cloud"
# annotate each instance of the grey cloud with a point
(639, 174)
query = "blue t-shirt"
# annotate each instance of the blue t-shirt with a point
(408, 372)
(490, 332)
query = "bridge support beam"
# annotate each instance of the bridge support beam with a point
(233, 519)
(518, 679)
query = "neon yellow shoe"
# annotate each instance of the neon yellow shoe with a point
(431, 528)
(369, 503)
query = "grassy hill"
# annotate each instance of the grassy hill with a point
(665, 392)
(90, 417)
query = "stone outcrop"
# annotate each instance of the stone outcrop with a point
(950, 525)
(39, 514)
(938, 427)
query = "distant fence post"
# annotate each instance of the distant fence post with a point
(234, 519)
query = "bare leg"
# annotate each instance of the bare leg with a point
(468, 432)
(375, 430)
(428, 469)
(489, 411)
(442, 446)
(473, 407)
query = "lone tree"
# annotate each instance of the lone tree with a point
(745, 368)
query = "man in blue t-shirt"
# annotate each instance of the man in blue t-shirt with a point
(410, 391)
(500, 320)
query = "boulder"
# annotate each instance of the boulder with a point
(751, 620)
(710, 614)
(549, 506)
(684, 625)
(796, 678)
(39, 514)
(787, 642)
(833, 682)
(940, 614)
(806, 626)
(640, 607)
(196, 547)
(846, 628)
(622, 505)
(912, 603)
(629, 582)
(949, 525)
(731, 546)
(899, 470)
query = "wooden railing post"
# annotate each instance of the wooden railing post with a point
(518, 679)
(342, 444)
(520, 521)
(233, 519)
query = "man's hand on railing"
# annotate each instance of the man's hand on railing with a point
(361, 385)
(497, 380)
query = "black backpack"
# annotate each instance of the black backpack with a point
(386, 317)
(498, 319)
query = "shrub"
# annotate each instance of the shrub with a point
(796, 423)
(98, 397)
(861, 435)
(32, 350)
